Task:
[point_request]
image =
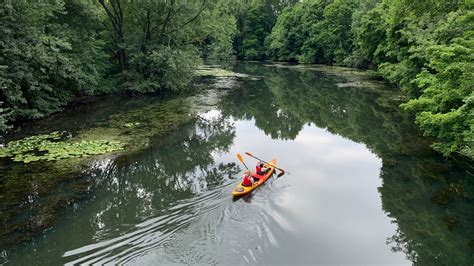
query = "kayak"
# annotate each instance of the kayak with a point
(241, 190)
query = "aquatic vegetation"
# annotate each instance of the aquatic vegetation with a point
(32, 195)
(353, 78)
(214, 71)
(135, 128)
(52, 147)
(223, 79)
(131, 124)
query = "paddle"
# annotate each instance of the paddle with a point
(282, 170)
(241, 159)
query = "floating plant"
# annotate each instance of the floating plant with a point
(52, 147)
(132, 124)
(218, 72)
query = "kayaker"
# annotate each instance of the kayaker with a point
(248, 179)
(260, 169)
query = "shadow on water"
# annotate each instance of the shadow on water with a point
(246, 198)
(170, 202)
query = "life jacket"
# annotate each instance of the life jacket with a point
(247, 182)
(258, 169)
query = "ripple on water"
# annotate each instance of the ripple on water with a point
(210, 228)
(146, 235)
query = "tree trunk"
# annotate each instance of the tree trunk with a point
(115, 15)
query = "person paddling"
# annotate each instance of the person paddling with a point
(261, 169)
(248, 179)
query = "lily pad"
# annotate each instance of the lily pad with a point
(49, 147)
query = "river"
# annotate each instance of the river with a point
(362, 186)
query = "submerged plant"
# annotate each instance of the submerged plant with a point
(52, 147)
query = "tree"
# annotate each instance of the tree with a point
(156, 43)
(115, 12)
(255, 20)
(39, 67)
(53, 51)
(424, 47)
(314, 32)
(445, 108)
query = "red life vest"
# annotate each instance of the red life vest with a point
(258, 169)
(247, 182)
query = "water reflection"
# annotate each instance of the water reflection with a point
(430, 198)
(170, 203)
(141, 186)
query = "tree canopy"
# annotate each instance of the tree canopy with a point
(425, 47)
(54, 51)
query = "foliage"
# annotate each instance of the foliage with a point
(286, 39)
(163, 69)
(218, 42)
(156, 43)
(445, 109)
(314, 32)
(51, 147)
(425, 47)
(53, 51)
(255, 20)
(368, 30)
(255, 26)
(42, 63)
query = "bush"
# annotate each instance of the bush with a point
(162, 69)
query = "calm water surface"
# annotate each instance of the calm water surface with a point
(363, 186)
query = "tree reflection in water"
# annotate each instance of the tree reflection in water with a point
(146, 196)
(429, 198)
(147, 184)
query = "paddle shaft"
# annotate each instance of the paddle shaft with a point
(266, 162)
(241, 159)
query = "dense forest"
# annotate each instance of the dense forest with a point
(53, 52)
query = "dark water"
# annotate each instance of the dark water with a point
(364, 186)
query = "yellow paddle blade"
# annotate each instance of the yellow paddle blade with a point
(241, 159)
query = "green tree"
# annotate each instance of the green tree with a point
(41, 64)
(316, 31)
(255, 20)
(257, 25)
(292, 30)
(424, 47)
(368, 29)
(445, 108)
(53, 51)
(156, 42)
